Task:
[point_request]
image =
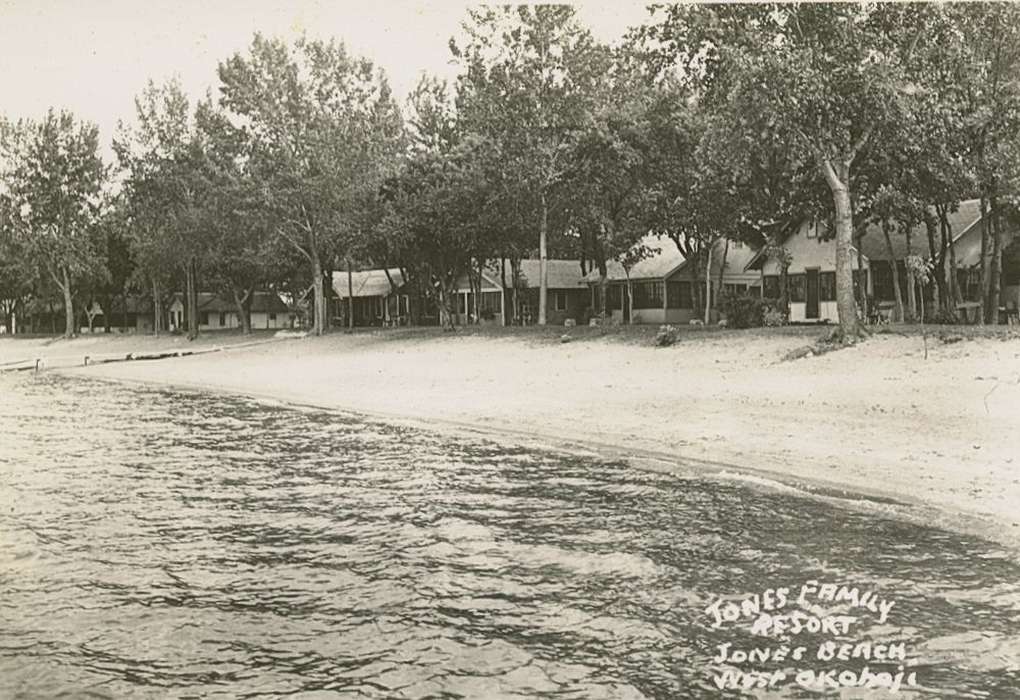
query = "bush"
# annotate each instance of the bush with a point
(773, 313)
(742, 310)
(945, 317)
(773, 319)
(667, 335)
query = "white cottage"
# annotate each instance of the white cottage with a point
(812, 272)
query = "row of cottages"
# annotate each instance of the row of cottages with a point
(380, 297)
(664, 283)
(215, 312)
(812, 270)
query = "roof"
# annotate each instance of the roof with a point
(367, 283)
(262, 302)
(560, 274)
(873, 242)
(665, 258)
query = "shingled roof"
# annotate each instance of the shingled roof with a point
(665, 259)
(367, 283)
(873, 242)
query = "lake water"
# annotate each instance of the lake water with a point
(161, 544)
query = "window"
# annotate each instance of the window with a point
(772, 287)
(490, 303)
(678, 295)
(223, 319)
(827, 286)
(648, 295)
(614, 297)
(798, 286)
(883, 282)
(560, 301)
(461, 303)
(969, 283)
(272, 317)
(735, 289)
(203, 318)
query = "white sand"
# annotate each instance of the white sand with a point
(876, 418)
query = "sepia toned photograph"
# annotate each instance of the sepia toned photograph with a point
(429, 349)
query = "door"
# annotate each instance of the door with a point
(811, 308)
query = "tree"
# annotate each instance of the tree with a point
(167, 191)
(825, 77)
(54, 177)
(321, 126)
(609, 174)
(527, 86)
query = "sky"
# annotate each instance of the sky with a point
(94, 56)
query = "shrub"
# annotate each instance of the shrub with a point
(773, 313)
(667, 335)
(945, 317)
(742, 310)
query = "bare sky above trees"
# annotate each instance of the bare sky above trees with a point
(94, 56)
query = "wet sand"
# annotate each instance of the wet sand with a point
(942, 434)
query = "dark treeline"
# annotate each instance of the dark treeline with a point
(707, 122)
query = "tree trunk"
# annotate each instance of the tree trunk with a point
(243, 305)
(938, 262)
(911, 280)
(350, 295)
(191, 300)
(995, 268)
(862, 287)
(897, 294)
(543, 236)
(708, 286)
(445, 315)
(157, 308)
(502, 281)
(65, 287)
(954, 274)
(722, 268)
(837, 176)
(630, 298)
(986, 278)
(318, 296)
(515, 277)
(478, 293)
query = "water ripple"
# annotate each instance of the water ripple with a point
(158, 544)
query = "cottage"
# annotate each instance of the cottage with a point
(567, 293)
(811, 275)
(216, 312)
(379, 297)
(665, 284)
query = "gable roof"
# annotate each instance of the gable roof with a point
(560, 274)
(961, 221)
(665, 259)
(367, 283)
(262, 302)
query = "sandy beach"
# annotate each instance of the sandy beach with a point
(942, 434)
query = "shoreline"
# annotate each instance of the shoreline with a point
(695, 409)
(874, 501)
(874, 426)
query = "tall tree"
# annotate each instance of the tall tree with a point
(54, 177)
(322, 124)
(167, 191)
(527, 83)
(825, 76)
